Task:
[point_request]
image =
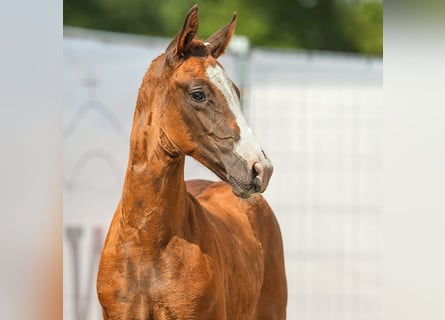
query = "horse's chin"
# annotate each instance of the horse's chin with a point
(244, 191)
(241, 193)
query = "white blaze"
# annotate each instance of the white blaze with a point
(247, 146)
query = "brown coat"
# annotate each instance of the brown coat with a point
(195, 250)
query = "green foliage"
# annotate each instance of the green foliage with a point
(335, 25)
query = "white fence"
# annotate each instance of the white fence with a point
(317, 116)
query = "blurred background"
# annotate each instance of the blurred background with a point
(311, 78)
(333, 25)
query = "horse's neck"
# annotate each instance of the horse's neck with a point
(154, 198)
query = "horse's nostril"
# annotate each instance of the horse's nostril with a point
(258, 173)
(258, 169)
(261, 174)
(254, 172)
(257, 184)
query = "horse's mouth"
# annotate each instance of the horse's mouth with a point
(241, 188)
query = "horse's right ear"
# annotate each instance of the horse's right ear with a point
(219, 41)
(181, 43)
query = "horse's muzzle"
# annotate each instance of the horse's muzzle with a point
(262, 173)
(247, 180)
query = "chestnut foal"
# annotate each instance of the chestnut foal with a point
(195, 250)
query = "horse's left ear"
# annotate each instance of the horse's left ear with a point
(181, 43)
(219, 41)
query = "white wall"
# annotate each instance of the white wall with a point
(414, 171)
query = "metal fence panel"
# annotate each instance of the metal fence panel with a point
(318, 117)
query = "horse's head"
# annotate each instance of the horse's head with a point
(201, 114)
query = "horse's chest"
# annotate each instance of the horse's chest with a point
(193, 284)
(183, 282)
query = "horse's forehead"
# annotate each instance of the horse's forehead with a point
(195, 67)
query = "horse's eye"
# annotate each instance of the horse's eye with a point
(198, 95)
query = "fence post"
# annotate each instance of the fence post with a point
(240, 48)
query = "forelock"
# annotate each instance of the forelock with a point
(198, 48)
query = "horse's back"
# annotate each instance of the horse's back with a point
(218, 199)
(195, 187)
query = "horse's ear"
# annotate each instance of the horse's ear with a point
(181, 43)
(219, 41)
